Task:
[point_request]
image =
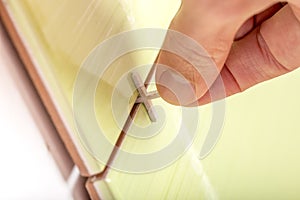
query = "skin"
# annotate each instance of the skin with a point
(250, 41)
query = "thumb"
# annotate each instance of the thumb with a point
(213, 25)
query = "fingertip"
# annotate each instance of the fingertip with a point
(173, 87)
(167, 95)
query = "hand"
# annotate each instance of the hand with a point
(249, 41)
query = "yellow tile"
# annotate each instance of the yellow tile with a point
(256, 157)
(61, 34)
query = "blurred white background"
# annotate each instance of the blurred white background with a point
(27, 169)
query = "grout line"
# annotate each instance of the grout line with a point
(118, 144)
(123, 133)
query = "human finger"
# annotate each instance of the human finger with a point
(213, 25)
(269, 51)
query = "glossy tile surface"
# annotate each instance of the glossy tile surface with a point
(61, 35)
(256, 156)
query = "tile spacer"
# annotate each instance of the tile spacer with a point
(144, 96)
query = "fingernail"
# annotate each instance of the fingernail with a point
(174, 88)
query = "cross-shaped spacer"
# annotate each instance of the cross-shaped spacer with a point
(144, 96)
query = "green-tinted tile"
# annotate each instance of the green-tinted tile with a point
(255, 158)
(60, 35)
